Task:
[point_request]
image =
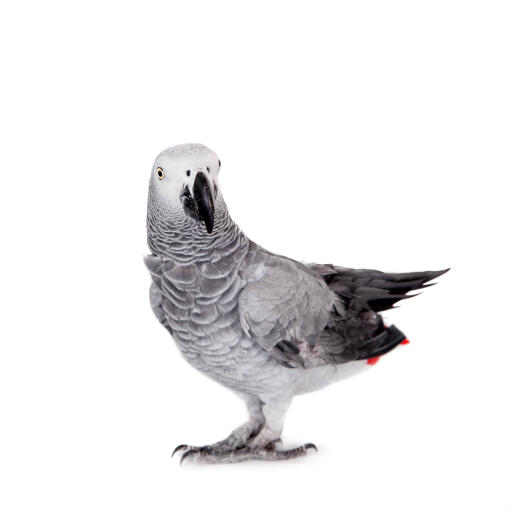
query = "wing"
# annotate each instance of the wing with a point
(284, 306)
(289, 312)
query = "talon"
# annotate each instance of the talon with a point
(178, 448)
(311, 445)
(188, 453)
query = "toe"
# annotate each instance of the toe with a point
(311, 446)
(270, 453)
(189, 453)
(179, 448)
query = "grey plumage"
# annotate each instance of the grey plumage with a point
(261, 324)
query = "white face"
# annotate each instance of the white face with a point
(185, 178)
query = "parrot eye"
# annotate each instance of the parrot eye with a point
(188, 172)
(219, 163)
(160, 173)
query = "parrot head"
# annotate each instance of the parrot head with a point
(184, 184)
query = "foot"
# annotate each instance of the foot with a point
(239, 438)
(213, 455)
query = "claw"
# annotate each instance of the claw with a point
(188, 453)
(311, 445)
(178, 448)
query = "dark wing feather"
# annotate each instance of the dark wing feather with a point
(380, 290)
(356, 330)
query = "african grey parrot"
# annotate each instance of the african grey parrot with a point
(264, 325)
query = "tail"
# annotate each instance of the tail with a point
(355, 337)
(380, 290)
(390, 338)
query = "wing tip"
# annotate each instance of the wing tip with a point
(430, 275)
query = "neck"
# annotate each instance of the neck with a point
(184, 240)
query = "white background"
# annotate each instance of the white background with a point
(367, 134)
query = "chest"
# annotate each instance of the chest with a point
(200, 304)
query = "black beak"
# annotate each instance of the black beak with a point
(204, 200)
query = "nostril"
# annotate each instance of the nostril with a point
(208, 169)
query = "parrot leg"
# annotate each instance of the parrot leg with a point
(258, 439)
(238, 438)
